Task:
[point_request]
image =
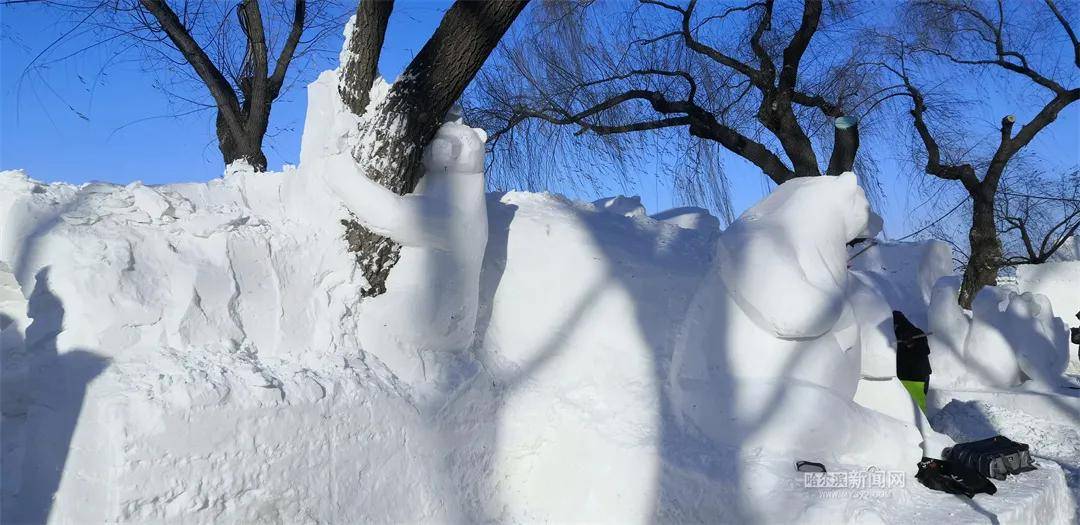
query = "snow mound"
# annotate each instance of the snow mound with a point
(622, 205)
(201, 353)
(208, 365)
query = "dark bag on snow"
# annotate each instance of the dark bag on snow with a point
(995, 457)
(953, 478)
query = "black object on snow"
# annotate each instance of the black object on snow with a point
(912, 350)
(947, 476)
(809, 466)
(995, 457)
(1074, 335)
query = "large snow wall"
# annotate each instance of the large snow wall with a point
(200, 353)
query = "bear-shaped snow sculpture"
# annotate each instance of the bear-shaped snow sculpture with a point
(433, 292)
(769, 360)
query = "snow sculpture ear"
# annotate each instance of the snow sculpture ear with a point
(874, 224)
(859, 220)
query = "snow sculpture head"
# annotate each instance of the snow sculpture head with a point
(456, 148)
(791, 245)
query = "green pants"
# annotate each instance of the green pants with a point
(917, 389)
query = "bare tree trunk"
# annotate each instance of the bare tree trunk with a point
(985, 260)
(235, 148)
(365, 46)
(845, 146)
(241, 120)
(407, 120)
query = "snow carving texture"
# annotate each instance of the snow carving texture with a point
(773, 334)
(442, 227)
(209, 365)
(1059, 281)
(1006, 339)
(905, 273)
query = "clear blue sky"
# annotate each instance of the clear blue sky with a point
(75, 122)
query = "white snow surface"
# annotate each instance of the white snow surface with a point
(1059, 281)
(905, 273)
(1005, 340)
(1053, 435)
(200, 353)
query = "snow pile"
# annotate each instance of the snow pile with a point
(1007, 339)
(260, 399)
(689, 217)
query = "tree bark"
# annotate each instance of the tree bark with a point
(239, 148)
(845, 145)
(403, 124)
(365, 46)
(242, 118)
(985, 260)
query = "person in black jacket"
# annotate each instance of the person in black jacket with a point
(1074, 334)
(912, 351)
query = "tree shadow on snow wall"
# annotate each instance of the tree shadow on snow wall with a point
(54, 389)
(685, 455)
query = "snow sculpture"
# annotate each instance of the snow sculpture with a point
(621, 205)
(879, 388)
(432, 296)
(769, 358)
(1059, 280)
(1006, 339)
(690, 218)
(905, 273)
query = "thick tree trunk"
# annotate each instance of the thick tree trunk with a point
(402, 125)
(845, 146)
(234, 148)
(985, 260)
(365, 46)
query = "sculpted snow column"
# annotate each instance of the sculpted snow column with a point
(433, 293)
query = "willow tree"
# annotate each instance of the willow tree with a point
(233, 58)
(1021, 42)
(752, 78)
